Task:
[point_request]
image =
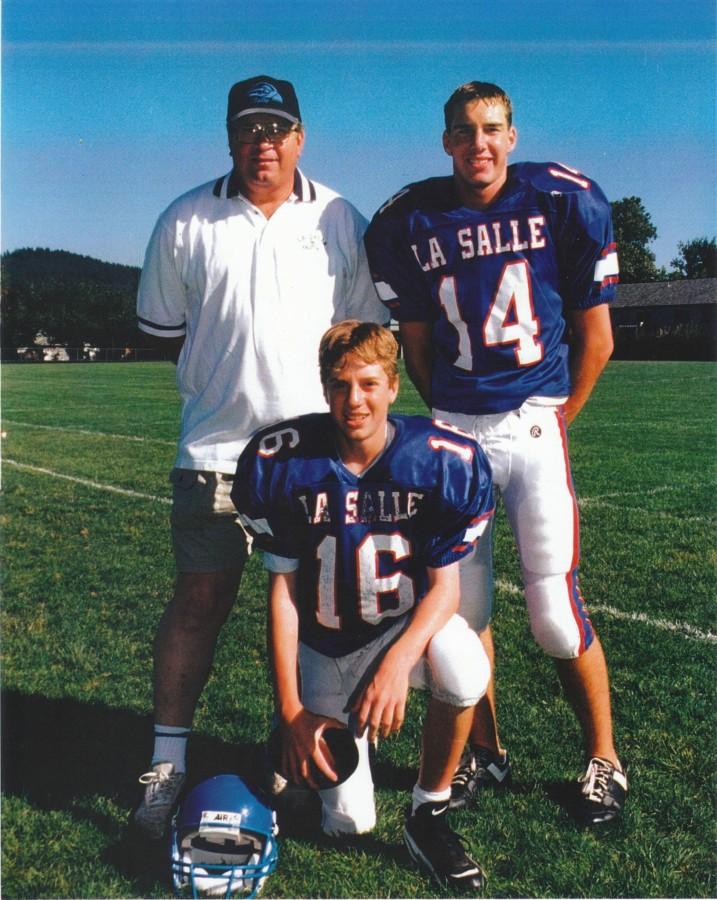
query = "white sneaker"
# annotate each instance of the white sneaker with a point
(160, 797)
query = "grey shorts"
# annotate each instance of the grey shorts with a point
(329, 685)
(454, 668)
(206, 534)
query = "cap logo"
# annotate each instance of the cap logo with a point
(265, 93)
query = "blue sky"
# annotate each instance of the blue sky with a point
(112, 109)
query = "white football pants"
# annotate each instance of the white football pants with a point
(528, 452)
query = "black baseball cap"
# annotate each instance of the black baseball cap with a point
(263, 94)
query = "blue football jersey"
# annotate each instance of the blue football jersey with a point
(496, 284)
(362, 542)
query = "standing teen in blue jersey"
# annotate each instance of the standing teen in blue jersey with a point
(500, 278)
(362, 517)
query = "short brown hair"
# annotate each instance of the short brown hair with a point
(476, 90)
(369, 341)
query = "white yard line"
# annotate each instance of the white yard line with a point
(648, 492)
(122, 437)
(678, 627)
(600, 503)
(508, 587)
(98, 485)
(683, 628)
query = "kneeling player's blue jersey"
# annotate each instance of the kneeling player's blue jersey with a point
(362, 542)
(496, 283)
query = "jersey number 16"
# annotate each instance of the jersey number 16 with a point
(371, 586)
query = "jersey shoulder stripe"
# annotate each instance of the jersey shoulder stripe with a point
(552, 177)
(607, 268)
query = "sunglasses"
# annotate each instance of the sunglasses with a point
(271, 132)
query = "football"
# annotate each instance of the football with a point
(341, 745)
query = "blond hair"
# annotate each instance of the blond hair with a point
(371, 342)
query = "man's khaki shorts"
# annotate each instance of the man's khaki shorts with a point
(206, 534)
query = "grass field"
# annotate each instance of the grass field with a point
(87, 570)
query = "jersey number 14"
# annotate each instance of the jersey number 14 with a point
(511, 318)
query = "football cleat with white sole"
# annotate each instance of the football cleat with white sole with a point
(602, 793)
(162, 788)
(478, 768)
(437, 849)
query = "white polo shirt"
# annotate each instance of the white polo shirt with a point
(252, 298)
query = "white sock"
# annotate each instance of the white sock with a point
(170, 745)
(420, 796)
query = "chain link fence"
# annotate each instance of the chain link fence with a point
(85, 354)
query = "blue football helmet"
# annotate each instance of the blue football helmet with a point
(223, 840)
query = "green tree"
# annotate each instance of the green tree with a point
(72, 299)
(634, 230)
(696, 259)
(18, 313)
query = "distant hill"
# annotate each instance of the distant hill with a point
(42, 264)
(70, 298)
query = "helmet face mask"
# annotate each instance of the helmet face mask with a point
(223, 841)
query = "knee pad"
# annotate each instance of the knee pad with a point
(459, 666)
(558, 617)
(349, 808)
(476, 571)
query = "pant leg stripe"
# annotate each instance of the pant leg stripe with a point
(577, 603)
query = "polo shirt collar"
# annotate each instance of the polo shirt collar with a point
(304, 190)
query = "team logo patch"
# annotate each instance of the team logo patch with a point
(536, 431)
(314, 241)
(265, 93)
